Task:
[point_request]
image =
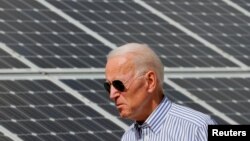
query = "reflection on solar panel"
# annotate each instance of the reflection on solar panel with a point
(243, 3)
(53, 53)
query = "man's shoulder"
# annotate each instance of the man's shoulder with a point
(190, 115)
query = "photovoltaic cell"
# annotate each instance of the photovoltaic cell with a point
(7, 61)
(46, 39)
(215, 21)
(40, 110)
(122, 22)
(229, 95)
(242, 3)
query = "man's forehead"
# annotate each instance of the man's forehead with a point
(119, 60)
(120, 66)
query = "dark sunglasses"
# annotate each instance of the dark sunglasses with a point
(117, 84)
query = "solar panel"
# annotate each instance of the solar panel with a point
(46, 39)
(243, 4)
(229, 95)
(9, 62)
(52, 55)
(122, 22)
(217, 22)
(4, 138)
(40, 110)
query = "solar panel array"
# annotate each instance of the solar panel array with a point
(53, 53)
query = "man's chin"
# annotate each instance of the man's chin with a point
(124, 114)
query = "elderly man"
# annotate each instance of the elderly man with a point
(134, 81)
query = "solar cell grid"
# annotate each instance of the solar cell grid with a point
(134, 23)
(47, 39)
(38, 109)
(242, 3)
(225, 94)
(8, 61)
(216, 22)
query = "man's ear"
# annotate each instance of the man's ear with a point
(151, 79)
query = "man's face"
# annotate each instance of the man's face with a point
(131, 102)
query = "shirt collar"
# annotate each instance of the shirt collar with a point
(157, 117)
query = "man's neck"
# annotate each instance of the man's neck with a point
(152, 106)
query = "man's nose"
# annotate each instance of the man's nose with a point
(113, 93)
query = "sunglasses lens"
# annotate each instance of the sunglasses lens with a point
(118, 85)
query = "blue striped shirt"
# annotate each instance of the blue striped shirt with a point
(171, 122)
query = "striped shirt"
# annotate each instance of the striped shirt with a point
(171, 122)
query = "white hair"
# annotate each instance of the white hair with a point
(143, 57)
